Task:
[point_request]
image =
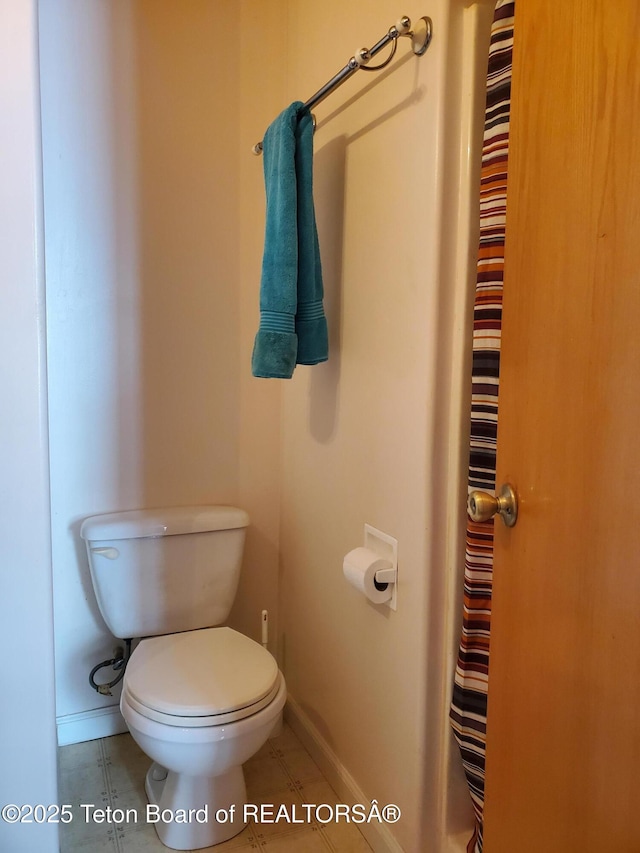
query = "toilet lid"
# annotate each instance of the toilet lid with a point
(203, 673)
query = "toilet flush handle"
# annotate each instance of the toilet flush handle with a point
(109, 553)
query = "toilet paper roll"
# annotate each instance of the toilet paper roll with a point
(360, 567)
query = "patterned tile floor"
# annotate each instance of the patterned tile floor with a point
(111, 771)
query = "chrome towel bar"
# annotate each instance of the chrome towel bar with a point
(420, 37)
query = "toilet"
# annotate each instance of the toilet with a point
(198, 698)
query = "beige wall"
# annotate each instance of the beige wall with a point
(374, 436)
(149, 267)
(262, 75)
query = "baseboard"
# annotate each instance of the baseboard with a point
(378, 835)
(89, 725)
(458, 843)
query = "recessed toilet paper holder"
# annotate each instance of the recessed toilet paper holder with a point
(385, 576)
(372, 568)
(386, 546)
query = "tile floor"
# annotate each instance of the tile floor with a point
(111, 771)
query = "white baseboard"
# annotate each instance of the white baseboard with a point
(378, 835)
(89, 725)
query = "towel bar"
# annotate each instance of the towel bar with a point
(420, 39)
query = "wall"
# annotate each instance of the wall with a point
(378, 434)
(263, 27)
(27, 733)
(151, 402)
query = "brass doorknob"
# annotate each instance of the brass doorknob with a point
(482, 506)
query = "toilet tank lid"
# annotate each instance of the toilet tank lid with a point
(167, 521)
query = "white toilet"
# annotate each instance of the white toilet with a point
(199, 700)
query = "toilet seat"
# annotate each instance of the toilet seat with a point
(208, 677)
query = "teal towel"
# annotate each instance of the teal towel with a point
(293, 328)
(311, 325)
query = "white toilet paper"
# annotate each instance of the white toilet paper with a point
(360, 567)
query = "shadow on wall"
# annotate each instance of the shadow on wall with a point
(84, 575)
(329, 192)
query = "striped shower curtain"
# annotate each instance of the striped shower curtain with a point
(469, 704)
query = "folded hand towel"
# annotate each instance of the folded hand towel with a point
(276, 344)
(292, 324)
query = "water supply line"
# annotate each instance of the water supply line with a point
(118, 663)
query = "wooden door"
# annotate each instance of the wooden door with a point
(563, 740)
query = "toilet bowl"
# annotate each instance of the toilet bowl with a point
(200, 704)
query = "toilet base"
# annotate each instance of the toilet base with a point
(194, 811)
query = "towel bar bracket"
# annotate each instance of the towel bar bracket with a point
(421, 35)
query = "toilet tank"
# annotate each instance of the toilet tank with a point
(160, 571)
